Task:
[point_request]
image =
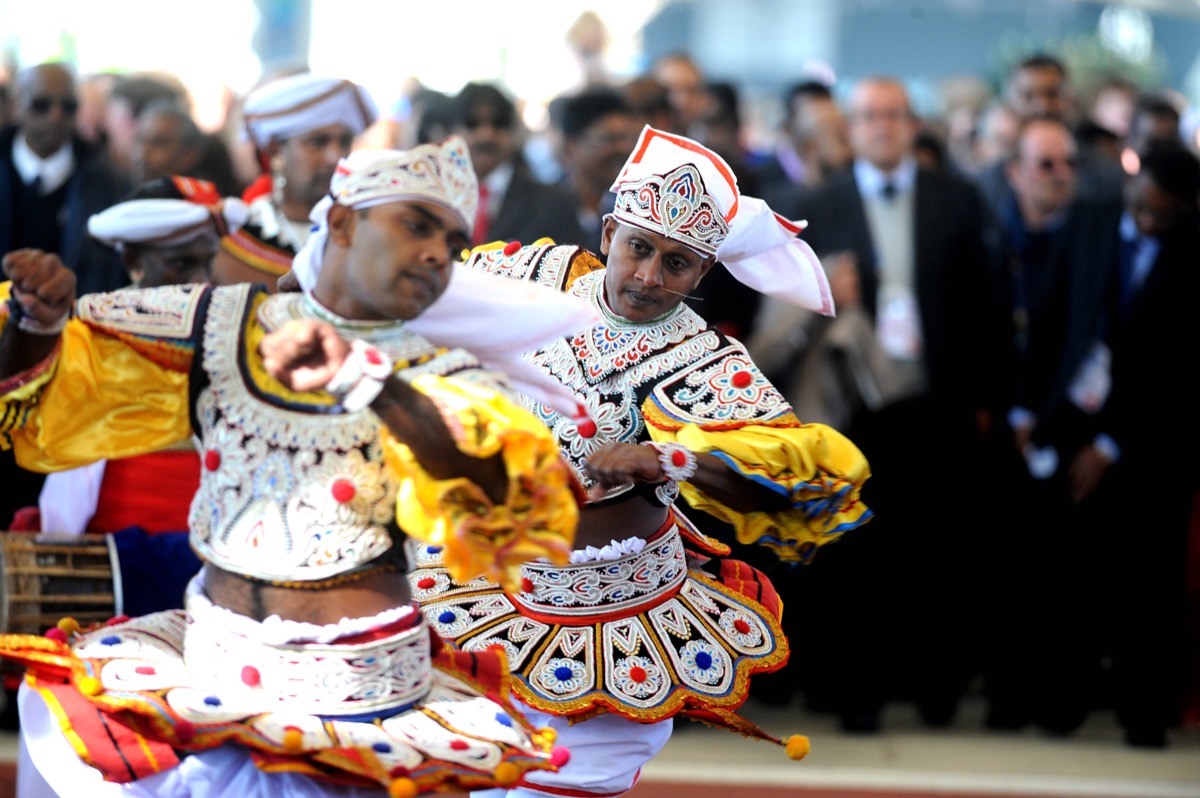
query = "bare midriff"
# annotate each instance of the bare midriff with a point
(372, 594)
(631, 517)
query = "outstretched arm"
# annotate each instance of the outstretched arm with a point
(623, 463)
(306, 355)
(43, 291)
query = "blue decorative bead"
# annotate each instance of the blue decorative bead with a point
(433, 549)
(703, 660)
(111, 640)
(503, 720)
(447, 616)
(563, 673)
(212, 701)
(382, 748)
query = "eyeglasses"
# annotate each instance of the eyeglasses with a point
(1048, 164)
(42, 105)
(500, 122)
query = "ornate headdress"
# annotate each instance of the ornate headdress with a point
(441, 174)
(684, 191)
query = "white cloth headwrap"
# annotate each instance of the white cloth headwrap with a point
(298, 104)
(494, 318)
(165, 222)
(672, 186)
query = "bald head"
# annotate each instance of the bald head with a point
(882, 125)
(46, 103)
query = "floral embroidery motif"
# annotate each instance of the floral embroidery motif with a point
(702, 661)
(637, 676)
(562, 675)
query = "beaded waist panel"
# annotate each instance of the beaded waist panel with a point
(640, 635)
(230, 669)
(404, 711)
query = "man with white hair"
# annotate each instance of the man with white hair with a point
(300, 125)
(649, 620)
(330, 427)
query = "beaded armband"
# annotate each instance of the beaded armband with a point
(677, 461)
(361, 377)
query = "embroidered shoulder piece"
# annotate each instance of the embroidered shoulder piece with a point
(555, 266)
(723, 390)
(160, 323)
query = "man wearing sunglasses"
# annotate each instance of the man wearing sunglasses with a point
(1057, 247)
(50, 183)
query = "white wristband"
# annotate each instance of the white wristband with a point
(677, 461)
(361, 377)
(35, 327)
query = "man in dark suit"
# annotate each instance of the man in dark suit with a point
(513, 206)
(1058, 252)
(911, 256)
(50, 184)
(1135, 472)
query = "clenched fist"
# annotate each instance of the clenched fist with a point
(304, 355)
(41, 284)
(622, 463)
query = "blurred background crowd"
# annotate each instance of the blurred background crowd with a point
(1004, 195)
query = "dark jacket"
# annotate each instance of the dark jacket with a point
(93, 187)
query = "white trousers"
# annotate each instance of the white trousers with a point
(607, 754)
(48, 767)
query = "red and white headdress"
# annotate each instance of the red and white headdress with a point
(684, 191)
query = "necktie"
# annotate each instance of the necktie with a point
(35, 185)
(888, 192)
(1129, 248)
(480, 234)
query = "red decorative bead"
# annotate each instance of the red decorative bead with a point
(637, 673)
(511, 248)
(742, 379)
(212, 459)
(459, 745)
(185, 730)
(526, 584)
(399, 772)
(343, 491)
(251, 677)
(372, 357)
(426, 582)
(116, 619)
(678, 459)
(587, 429)
(559, 756)
(56, 634)
(741, 626)
(145, 670)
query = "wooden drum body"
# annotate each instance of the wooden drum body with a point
(44, 578)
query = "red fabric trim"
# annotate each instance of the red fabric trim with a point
(153, 491)
(113, 748)
(395, 627)
(751, 583)
(260, 187)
